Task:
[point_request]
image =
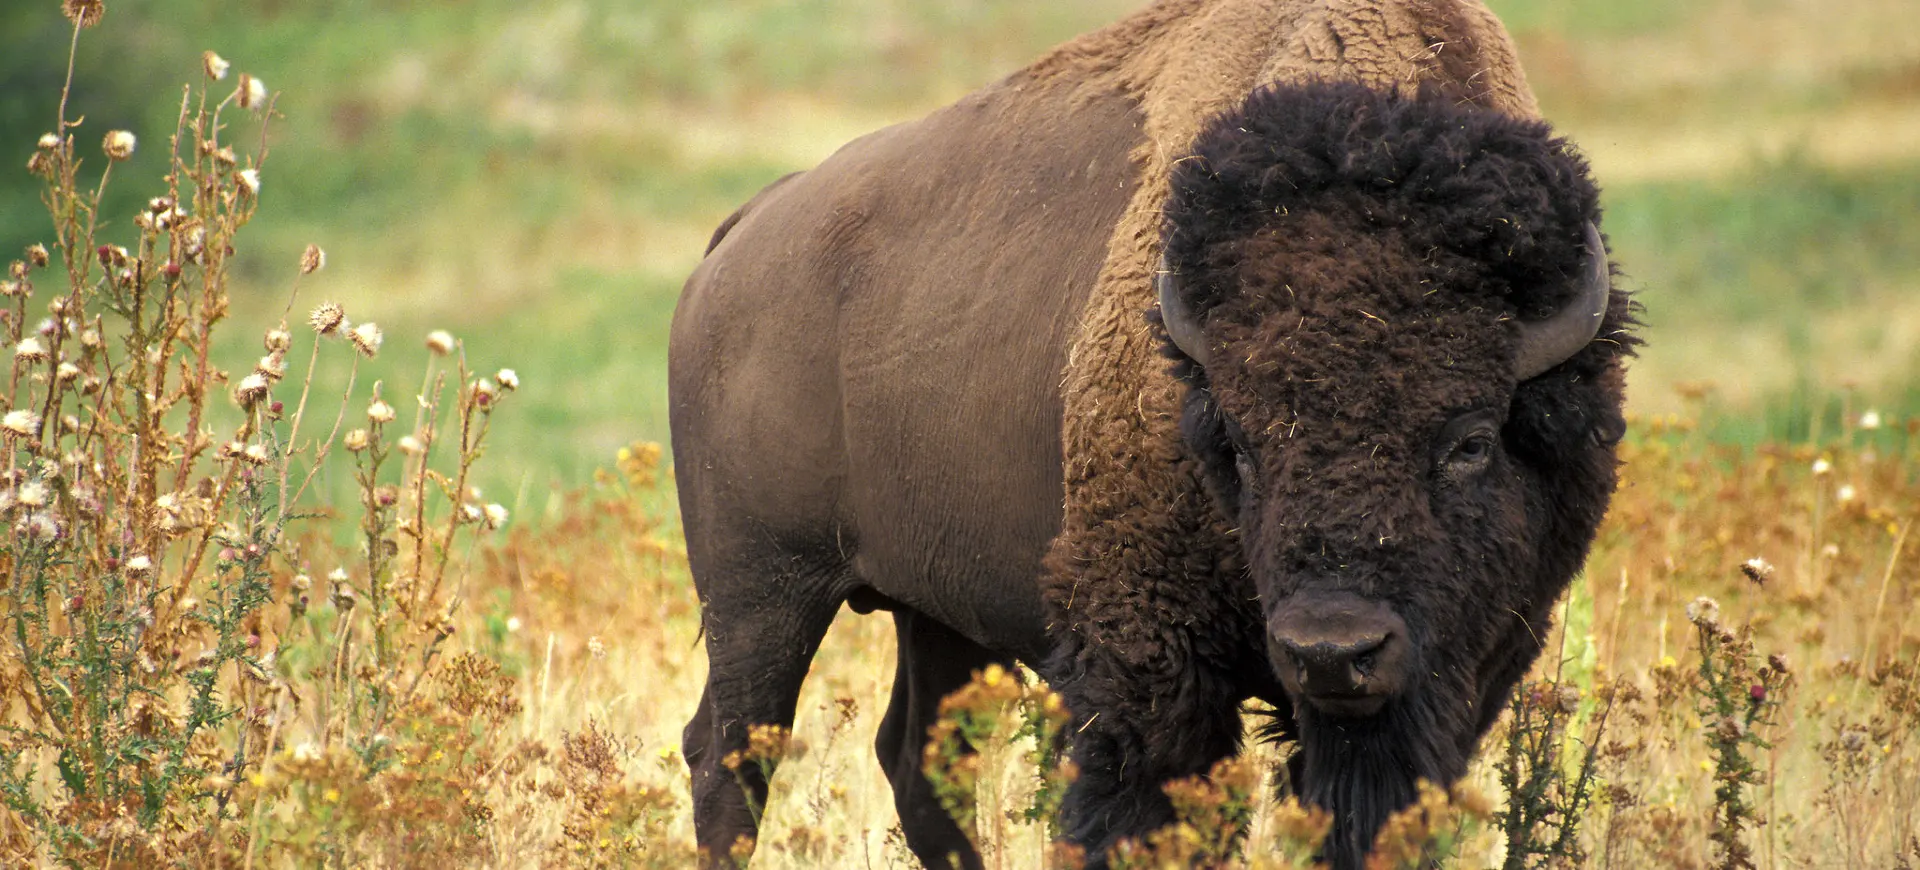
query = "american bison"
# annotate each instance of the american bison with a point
(1242, 349)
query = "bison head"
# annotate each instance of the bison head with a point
(1402, 354)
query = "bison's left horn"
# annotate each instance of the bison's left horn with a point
(1550, 342)
(1181, 325)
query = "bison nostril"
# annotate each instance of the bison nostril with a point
(1344, 655)
(1346, 666)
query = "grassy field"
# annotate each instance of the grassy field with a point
(538, 180)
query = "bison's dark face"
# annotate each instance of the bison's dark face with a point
(1402, 355)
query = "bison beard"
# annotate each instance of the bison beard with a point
(1365, 770)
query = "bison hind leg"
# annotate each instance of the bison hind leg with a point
(932, 661)
(759, 647)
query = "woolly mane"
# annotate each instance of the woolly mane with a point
(1480, 190)
(1145, 583)
(1498, 205)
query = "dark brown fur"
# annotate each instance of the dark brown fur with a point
(1359, 259)
(918, 378)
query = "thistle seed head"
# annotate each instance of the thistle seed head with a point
(31, 494)
(328, 318)
(20, 422)
(251, 390)
(29, 350)
(1704, 612)
(366, 339)
(85, 13)
(214, 65)
(37, 526)
(119, 145)
(251, 94)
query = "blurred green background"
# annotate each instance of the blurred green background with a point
(538, 178)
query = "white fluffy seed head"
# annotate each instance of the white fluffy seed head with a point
(119, 145)
(252, 389)
(30, 350)
(366, 339)
(20, 421)
(32, 494)
(1704, 612)
(251, 93)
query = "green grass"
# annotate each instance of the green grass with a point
(540, 179)
(1619, 18)
(1796, 279)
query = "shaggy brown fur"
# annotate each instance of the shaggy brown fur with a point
(918, 377)
(1355, 256)
(1133, 574)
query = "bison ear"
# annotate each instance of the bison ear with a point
(1205, 432)
(1610, 428)
(1558, 415)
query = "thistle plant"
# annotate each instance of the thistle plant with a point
(169, 688)
(1548, 769)
(1736, 696)
(979, 726)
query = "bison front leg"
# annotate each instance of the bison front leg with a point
(1133, 732)
(1155, 646)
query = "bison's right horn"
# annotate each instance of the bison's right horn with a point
(1550, 342)
(1181, 325)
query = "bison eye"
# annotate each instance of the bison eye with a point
(1466, 445)
(1471, 455)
